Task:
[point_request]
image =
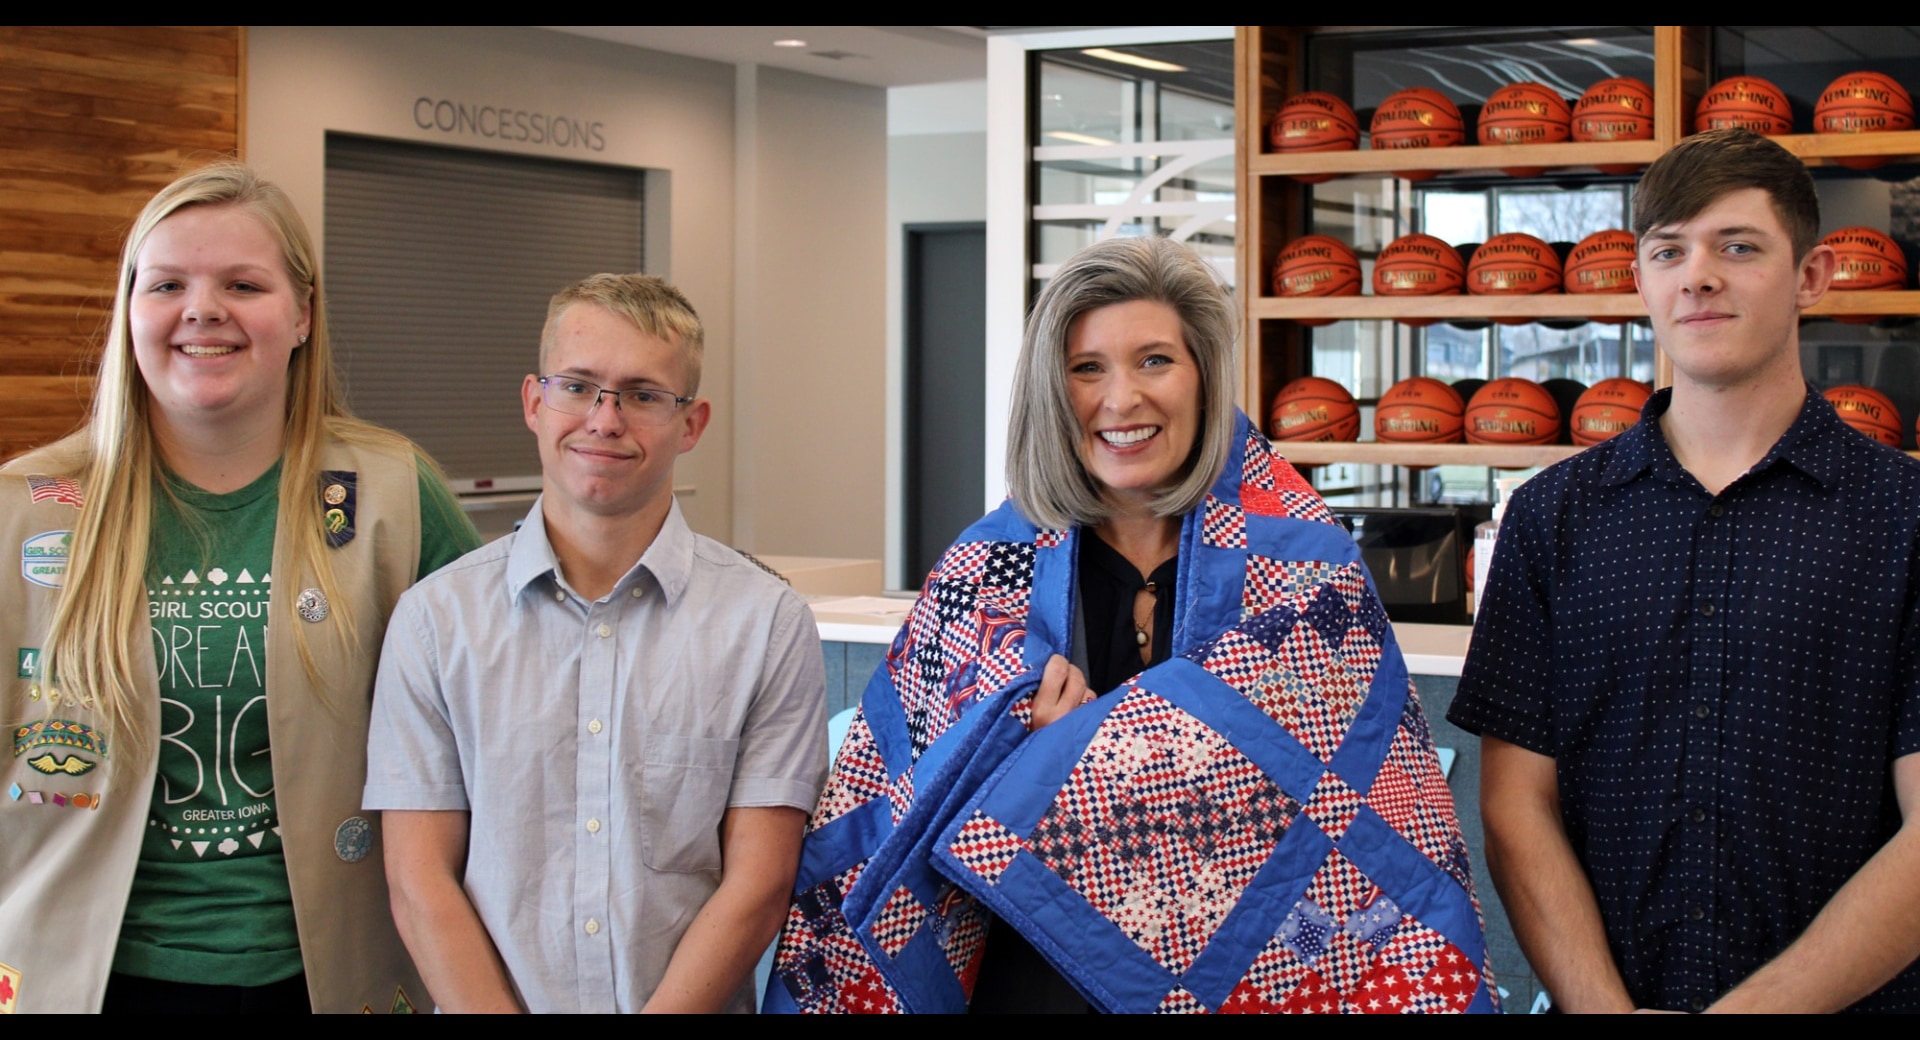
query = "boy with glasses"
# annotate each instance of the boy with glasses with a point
(596, 741)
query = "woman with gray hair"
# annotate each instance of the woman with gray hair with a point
(1145, 743)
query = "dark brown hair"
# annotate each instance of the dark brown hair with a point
(1681, 184)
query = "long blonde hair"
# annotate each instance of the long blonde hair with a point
(101, 617)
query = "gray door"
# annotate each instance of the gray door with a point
(946, 398)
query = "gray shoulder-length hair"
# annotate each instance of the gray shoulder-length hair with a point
(1044, 473)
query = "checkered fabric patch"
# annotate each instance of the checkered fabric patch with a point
(962, 564)
(986, 847)
(1161, 825)
(1256, 468)
(859, 776)
(1339, 886)
(900, 795)
(1275, 583)
(897, 921)
(1272, 978)
(959, 925)
(1223, 526)
(1238, 660)
(1180, 1002)
(1049, 539)
(1333, 805)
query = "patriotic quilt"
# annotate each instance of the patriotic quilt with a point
(1258, 824)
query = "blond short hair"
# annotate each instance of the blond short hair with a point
(653, 306)
(1045, 476)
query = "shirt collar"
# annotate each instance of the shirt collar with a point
(1644, 447)
(669, 559)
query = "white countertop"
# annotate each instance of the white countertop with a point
(1429, 649)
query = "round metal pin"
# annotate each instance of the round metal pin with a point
(312, 605)
(353, 839)
(335, 494)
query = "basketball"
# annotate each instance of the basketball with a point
(1748, 102)
(1315, 122)
(1418, 265)
(1869, 411)
(1417, 117)
(1607, 409)
(1863, 103)
(1316, 265)
(1314, 409)
(1865, 260)
(1525, 113)
(1512, 411)
(1602, 263)
(1419, 411)
(1513, 264)
(1617, 109)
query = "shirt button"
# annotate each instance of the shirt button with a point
(1698, 1004)
(637, 592)
(1716, 510)
(603, 631)
(593, 826)
(1706, 610)
(1697, 913)
(1701, 711)
(592, 926)
(560, 595)
(594, 726)
(1698, 816)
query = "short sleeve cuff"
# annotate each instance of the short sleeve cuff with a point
(1483, 717)
(763, 792)
(434, 797)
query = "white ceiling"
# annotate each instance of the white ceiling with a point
(876, 55)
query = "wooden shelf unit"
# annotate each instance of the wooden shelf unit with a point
(1270, 67)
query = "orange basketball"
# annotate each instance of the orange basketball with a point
(1419, 411)
(1418, 265)
(1314, 409)
(1617, 109)
(1525, 113)
(1512, 411)
(1602, 263)
(1748, 102)
(1865, 260)
(1513, 264)
(1607, 409)
(1417, 117)
(1316, 265)
(1869, 411)
(1863, 103)
(1315, 122)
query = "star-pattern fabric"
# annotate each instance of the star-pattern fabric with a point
(1257, 825)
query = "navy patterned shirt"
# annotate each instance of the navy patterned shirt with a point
(1722, 680)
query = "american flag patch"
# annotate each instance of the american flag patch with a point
(59, 489)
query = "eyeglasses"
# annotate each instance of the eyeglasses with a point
(642, 405)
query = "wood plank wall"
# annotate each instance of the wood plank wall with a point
(93, 121)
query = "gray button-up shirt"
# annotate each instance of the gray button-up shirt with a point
(597, 745)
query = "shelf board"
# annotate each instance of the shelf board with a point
(1450, 308)
(1564, 155)
(1822, 149)
(1816, 149)
(1374, 453)
(1551, 306)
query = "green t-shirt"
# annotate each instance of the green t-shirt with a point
(210, 900)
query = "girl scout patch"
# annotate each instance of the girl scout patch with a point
(43, 558)
(57, 733)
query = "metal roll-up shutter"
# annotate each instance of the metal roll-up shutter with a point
(439, 265)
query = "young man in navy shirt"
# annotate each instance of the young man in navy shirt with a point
(1696, 668)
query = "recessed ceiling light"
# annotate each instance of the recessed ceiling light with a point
(1133, 59)
(789, 43)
